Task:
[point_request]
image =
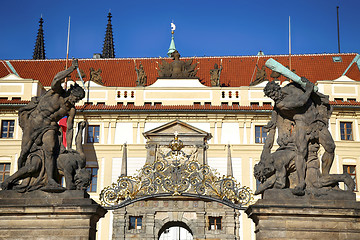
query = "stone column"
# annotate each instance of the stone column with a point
(119, 224)
(107, 126)
(230, 225)
(112, 131)
(141, 130)
(199, 233)
(135, 132)
(150, 226)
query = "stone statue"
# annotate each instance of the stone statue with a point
(71, 164)
(260, 76)
(95, 76)
(177, 69)
(141, 75)
(82, 74)
(40, 145)
(301, 117)
(215, 75)
(275, 75)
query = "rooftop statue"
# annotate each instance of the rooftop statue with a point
(141, 75)
(215, 75)
(260, 76)
(301, 116)
(40, 148)
(177, 69)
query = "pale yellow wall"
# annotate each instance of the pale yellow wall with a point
(245, 153)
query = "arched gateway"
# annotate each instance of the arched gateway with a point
(175, 188)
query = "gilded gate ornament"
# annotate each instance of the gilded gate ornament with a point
(176, 171)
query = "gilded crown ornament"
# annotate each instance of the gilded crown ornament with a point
(176, 144)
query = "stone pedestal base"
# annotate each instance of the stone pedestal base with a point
(307, 217)
(41, 215)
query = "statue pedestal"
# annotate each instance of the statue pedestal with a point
(41, 215)
(280, 215)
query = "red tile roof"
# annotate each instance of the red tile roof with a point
(237, 70)
(13, 102)
(4, 69)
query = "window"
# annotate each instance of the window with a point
(4, 171)
(337, 59)
(346, 131)
(7, 128)
(214, 223)
(93, 134)
(266, 103)
(135, 222)
(260, 134)
(93, 184)
(351, 170)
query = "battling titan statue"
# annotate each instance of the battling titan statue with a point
(42, 155)
(300, 116)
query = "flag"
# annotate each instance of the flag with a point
(63, 125)
(173, 27)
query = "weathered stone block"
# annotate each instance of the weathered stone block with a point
(41, 215)
(331, 215)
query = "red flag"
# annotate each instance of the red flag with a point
(63, 125)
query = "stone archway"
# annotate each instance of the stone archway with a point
(175, 230)
(159, 213)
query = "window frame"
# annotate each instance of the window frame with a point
(344, 129)
(3, 172)
(94, 130)
(9, 133)
(136, 225)
(93, 186)
(216, 222)
(261, 133)
(352, 175)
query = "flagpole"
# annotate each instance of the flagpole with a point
(338, 27)
(67, 51)
(289, 44)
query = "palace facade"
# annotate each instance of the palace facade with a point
(120, 110)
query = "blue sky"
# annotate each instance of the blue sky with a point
(211, 28)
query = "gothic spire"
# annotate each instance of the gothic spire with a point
(108, 49)
(39, 50)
